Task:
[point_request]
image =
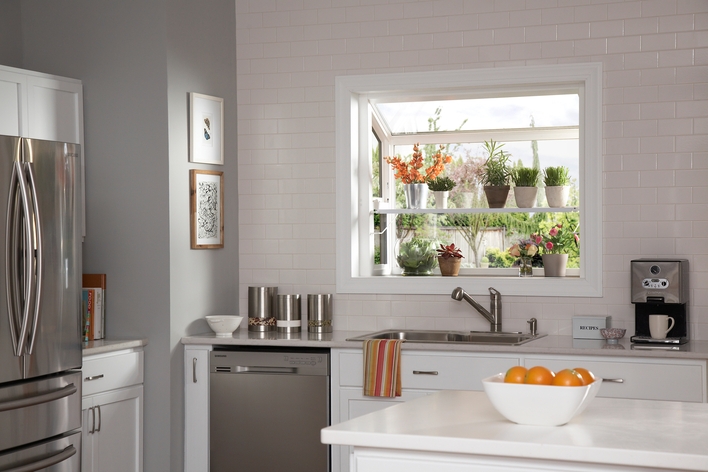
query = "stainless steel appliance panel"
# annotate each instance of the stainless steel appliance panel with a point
(33, 410)
(267, 410)
(62, 454)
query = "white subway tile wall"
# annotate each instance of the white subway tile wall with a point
(655, 143)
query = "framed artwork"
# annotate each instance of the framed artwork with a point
(206, 136)
(206, 208)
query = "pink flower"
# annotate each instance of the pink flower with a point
(577, 237)
(554, 231)
(537, 238)
(549, 245)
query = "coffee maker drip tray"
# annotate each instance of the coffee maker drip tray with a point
(665, 341)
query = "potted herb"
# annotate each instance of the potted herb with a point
(525, 190)
(417, 257)
(449, 258)
(441, 187)
(497, 174)
(556, 180)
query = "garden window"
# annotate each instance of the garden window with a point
(539, 117)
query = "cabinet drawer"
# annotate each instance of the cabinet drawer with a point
(431, 371)
(110, 371)
(642, 379)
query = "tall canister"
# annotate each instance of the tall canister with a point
(288, 314)
(319, 313)
(261, 308)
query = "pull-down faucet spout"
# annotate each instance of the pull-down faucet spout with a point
(494, 315)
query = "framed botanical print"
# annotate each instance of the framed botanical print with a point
(206, 207)
(206, 135)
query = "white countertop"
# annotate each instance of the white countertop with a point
(611, 431)
(102, 346)
(560, 345)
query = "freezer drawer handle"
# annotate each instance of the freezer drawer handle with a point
(46, 462)
(425, 372)
(38, 399)
(94, 377)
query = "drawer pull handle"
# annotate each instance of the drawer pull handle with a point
(93, 377)
(194, 370)
(98, 407)
(425, 372)
(619, 381)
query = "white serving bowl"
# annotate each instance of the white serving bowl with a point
(541, 405)
(223, 325)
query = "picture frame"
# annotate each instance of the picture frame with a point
(206, 136)
(206, 209)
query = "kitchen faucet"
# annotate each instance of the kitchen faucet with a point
(494, 315)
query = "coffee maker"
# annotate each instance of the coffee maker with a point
(660, 286)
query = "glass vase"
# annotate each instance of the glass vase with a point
(525, 267)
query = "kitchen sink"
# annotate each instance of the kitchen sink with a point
(453, 337)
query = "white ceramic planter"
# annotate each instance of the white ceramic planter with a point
(441, 199)
(525, 196)
(554, 264)
(557, 197)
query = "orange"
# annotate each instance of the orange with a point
(568, 378)
(515, 374)
(539, 375)
(588, 377)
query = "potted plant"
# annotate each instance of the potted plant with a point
(441, 187)
(524, 251)
(417, 257)
(555, 247)
(484, 262)
(556, 180)
(497, 174)
(414, 181)
(449, 258)
(525, 190)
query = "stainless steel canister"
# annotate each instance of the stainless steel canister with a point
(319, 313)
(261, 308)
(288, 314)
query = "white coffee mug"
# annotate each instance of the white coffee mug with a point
(659, 326)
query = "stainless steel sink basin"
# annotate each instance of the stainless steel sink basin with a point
(453, 337)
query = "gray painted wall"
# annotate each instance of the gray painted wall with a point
(10, 33)
(138, 60)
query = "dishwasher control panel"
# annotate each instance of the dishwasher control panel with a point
(269, 362)
(303, 359)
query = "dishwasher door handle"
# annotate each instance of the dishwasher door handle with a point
(247, 369)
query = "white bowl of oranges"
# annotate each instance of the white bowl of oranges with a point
(538, 396)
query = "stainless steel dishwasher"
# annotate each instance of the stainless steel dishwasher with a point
(267, 408)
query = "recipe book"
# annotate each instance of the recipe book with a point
(94, 306)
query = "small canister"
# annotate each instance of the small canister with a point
(261, 308)
(288, 314)
(319, 313)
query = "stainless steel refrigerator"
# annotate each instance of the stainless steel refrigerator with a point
(40, 300)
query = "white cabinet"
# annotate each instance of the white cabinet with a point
(112, 417)
(638, 378)
(196, 408)
(422, 373)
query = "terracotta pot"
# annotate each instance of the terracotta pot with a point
(496, 196)
(557, 197)
(449, 266)
(554, 264)
(525, 196)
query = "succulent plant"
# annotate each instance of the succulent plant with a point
(449, 251)
(441, 184)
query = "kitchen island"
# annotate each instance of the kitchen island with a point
(456, 431)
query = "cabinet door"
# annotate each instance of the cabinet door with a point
(196, 408)
(55, 110)
(87, 427)
(13, 117)
(117, 438)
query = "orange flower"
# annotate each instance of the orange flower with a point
(409, 172)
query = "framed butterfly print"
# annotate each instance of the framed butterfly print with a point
(206, 209)
(206, 134)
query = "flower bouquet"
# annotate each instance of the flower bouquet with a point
(413, 178)
(524, 251)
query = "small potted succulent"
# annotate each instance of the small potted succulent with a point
(417, 257)
(525, 190)
(449, 258)
(441, 187)
(556, 180)
(497, 174)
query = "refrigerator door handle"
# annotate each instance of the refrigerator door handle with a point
(46, 462)
(45, 397)
(36, 294)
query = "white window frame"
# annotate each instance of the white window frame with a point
(354, 205)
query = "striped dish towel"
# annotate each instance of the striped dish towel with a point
(382, 367)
